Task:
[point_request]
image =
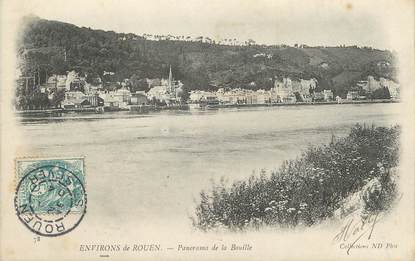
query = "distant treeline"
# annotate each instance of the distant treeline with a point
(49, 47)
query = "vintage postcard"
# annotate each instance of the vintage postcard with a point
(207, 130)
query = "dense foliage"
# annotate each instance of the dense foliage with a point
(309, 189)
(54, 47)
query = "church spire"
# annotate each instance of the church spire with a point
(170, 80)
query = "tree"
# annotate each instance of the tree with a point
(53, 47)
(58, 97)
(58, 64)
(184, 94)
(38, 100)
(250, 42)
(137, 84)
(298, 97)
(381, 93)
(92, 78)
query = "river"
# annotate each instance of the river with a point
(151, 167)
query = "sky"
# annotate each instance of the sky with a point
(311, 22)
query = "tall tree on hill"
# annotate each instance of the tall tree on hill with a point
(138, 84)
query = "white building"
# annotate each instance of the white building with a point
(159, 93)
(284, 90)
(197, 96)
(110, 100)
(328, 95)
(235, 96)
(263, 96)
(306, 85)
(168, 90)
(352, 95)
(56, 81)
(303, 87)
(71, 77)
(73, 99)
(120, 98)
(90, 88)
(61, 81)
(372, 84)
(392, 86)
(74, 95)
(362, 84)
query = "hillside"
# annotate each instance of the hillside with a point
(200, 65)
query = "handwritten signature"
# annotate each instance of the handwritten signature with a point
(357, 228)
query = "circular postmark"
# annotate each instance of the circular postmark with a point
(50, 199)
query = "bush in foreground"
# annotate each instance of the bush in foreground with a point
(309, 189)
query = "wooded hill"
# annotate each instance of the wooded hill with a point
(55, 47)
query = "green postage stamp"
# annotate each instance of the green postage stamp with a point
(50, 195)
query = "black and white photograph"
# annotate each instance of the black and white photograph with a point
(207, 130)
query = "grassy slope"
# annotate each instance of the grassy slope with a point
(310, 189)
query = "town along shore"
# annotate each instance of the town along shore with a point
(154, 108)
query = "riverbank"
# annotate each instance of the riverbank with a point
(311, 188)
(220, 106)
(153, 108)
(132, 108)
